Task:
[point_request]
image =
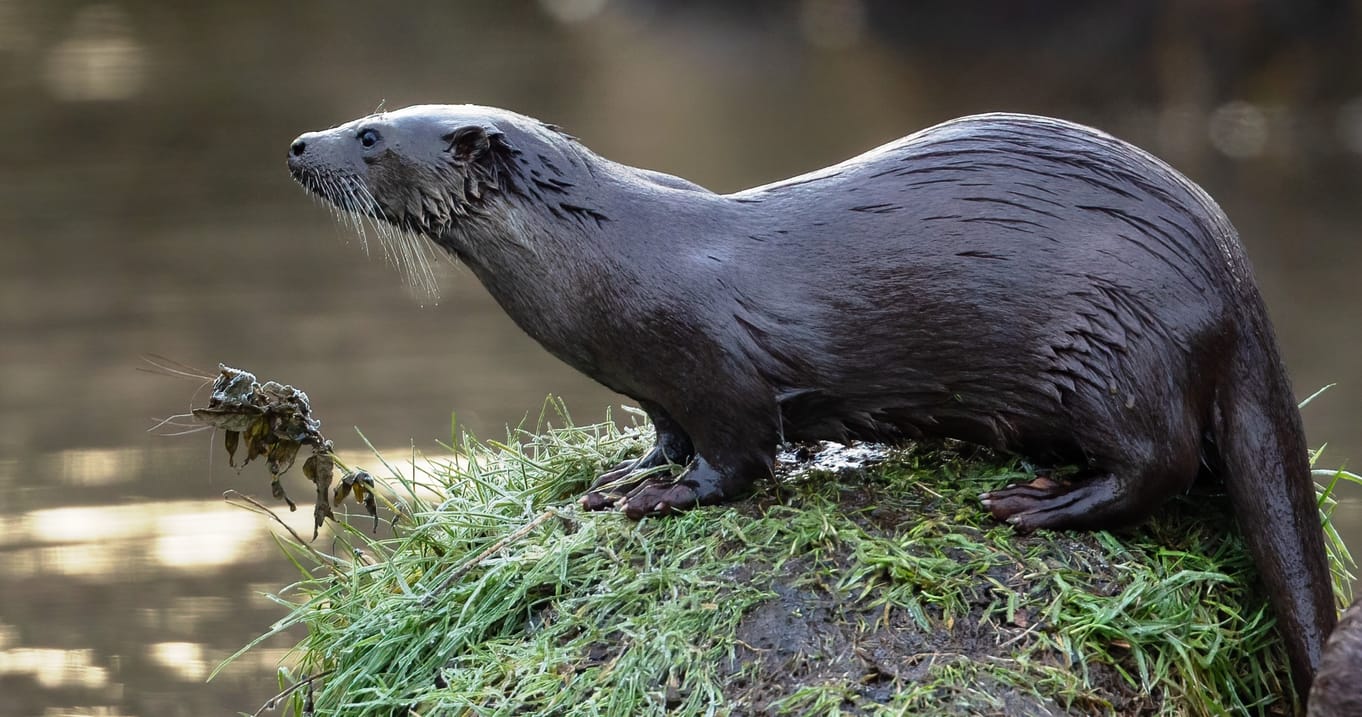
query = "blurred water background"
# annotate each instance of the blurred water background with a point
(145, 207)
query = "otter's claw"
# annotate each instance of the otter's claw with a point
(659, 499)
(1048, 503)
(661, 494)
(599, 501)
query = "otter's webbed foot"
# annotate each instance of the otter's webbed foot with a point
(700, 485)
(673, 447)
(612, 485)
(1093, 502)
(726, 461)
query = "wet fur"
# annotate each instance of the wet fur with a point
(1019, 282)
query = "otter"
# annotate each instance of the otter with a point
(1024, 283)
(1337, 691)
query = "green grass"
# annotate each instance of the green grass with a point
(883, 592)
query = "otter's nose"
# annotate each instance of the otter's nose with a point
(297, 148)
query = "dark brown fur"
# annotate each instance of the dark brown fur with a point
(1337, 691)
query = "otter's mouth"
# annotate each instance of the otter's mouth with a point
(354, 206)
(347, 193)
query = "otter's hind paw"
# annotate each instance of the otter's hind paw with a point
(1094, 502)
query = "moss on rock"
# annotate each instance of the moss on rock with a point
(883, 590)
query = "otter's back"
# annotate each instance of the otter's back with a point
(999, 266)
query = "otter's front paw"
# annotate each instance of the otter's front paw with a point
(701, 484)
(609, 487)
(634, 488)
(661, 494)
(615, 483)
(596, 500)
(662, 497)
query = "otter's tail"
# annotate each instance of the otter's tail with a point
(1261, 445)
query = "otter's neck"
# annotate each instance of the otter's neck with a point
(569, 251)
(546, 260)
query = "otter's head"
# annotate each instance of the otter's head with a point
(417, 169)
(445, 172)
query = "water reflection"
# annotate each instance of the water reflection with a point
(1239, 129)
(1349, 124)
(572, 11)
(149, 549)
(145, 208)
(833, 24)
(99, 59)
(55, 668)
(102, 541)
(184, 659)
(95, 466)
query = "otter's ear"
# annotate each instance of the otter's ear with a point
(468, 143)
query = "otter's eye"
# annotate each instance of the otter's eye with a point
(368, 138)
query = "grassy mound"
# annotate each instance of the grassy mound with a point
(884, 591)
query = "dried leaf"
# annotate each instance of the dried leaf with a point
(230, 440)
(277, 490)
(282, 455)
(320, 513)
(258, 440)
